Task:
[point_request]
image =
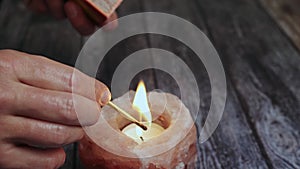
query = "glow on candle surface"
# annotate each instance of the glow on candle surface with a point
(140, 104)
(139, 135)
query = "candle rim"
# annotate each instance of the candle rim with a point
(111, 128)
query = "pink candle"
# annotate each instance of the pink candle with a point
(112, 142)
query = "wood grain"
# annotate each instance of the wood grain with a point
(287, 14)
(14, 21)
(258, 58)
(260, 127)
(123, 49)
(225, 149)
(120, 51)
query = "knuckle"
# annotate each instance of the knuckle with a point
(68, 111)
(5, 156)
(7, 58)
(7, 97)
(50, 164)
(60, 135)
(5, 128)
(7, 51)
(71, 78)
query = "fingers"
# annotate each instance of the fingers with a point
(111, 23)
(76, 15)
(78, 18)
(31, 158)
(56, 8)
(54, 106)
(47, 74)
(39, 133)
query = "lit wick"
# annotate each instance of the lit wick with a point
(142, 139)
(128, 116)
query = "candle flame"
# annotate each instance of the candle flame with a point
(140, 103)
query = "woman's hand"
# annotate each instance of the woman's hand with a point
(38, 99)
(61, 9)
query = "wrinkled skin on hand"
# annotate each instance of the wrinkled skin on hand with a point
(38, 99)
(61, 9)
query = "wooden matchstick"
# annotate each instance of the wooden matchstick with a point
(128, 116)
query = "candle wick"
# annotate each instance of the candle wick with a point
(142, 138)
(141, 126)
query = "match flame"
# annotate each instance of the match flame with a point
(140, 103)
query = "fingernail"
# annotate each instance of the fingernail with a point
(105, 97)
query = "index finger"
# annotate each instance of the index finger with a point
(47, 74)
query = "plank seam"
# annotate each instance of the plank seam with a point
(259, 5)
(239, 98)
(252, 126)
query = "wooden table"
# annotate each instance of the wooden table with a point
(258, 42)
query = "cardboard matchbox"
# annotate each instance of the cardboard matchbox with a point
(99, 10)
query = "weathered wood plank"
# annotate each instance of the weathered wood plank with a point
(44, 36)
(261, 63)
(226, 148)
(37, 34)
(233, 145)
(14, 21)
(123, 49)
(286, 59)
(287, 15)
